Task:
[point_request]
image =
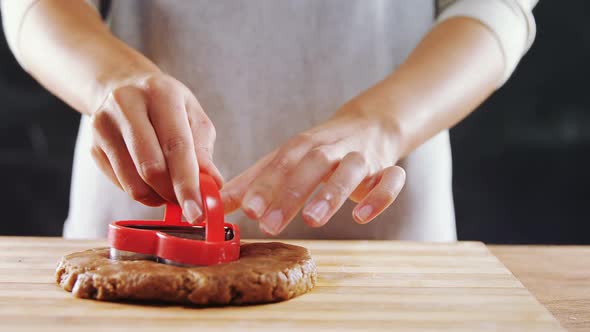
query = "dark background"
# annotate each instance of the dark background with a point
(521, 165)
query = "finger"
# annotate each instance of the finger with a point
(298, 186)
(141, 140)
(348, 175)
(170, 120)
(363, 189)
(101, 160)
(385, 192)
(265, 186)
(204, 135)
(111, 142)
(233, 191)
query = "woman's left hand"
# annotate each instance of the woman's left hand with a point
(353, 154)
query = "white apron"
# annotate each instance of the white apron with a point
(264, 70)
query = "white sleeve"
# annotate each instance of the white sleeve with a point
(511, 21)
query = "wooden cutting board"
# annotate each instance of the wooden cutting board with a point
(363, 285)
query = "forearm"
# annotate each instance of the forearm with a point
(453, 69)
(69, 50)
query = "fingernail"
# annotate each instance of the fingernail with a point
(272, 222)
(255, 205)
(191, 210)
(364, 213)
(317, 211)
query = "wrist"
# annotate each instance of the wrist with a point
(129, 67)
(379, 107)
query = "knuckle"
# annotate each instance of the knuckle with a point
(401, 173)
(155, 83)
(204, 154)
(203, 125)
(337, 189)
(358, 160)
(393, 180)
(151, 170)
(120, 95)
(101, 121)
(283, 163)
(384, 194)
(139, 193)
(369, 182)
(292, 193)
(160, 85)
(97, 154)
(184, 188)
(319, 155)
(175, 144)
(301, 139)
(233, 198)
(261, 187)
(212, 132)
(95, 150)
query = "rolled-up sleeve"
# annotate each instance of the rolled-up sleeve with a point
(511, 21)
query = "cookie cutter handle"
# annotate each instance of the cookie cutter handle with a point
(212, 210)
(173, 214)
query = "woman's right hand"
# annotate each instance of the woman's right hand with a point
(150, 137)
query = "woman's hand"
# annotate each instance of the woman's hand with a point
(353, 154)
(150, 138)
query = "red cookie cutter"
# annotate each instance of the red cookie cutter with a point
(173, 241)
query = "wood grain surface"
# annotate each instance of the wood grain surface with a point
(558, 276)
(363, 285)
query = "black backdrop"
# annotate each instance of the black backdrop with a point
(521, 165)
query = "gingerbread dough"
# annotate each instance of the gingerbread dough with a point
(265, 272)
